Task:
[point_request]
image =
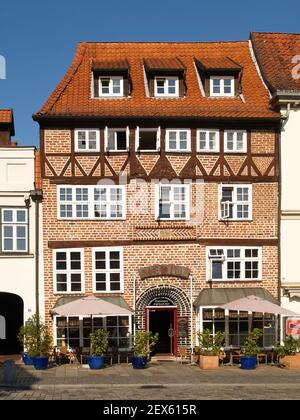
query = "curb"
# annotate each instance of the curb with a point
(52, 387)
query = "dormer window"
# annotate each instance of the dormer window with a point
(111, 79)
(165, 77)
(166, 86)
(219, 77)
(221, 86)
(111, 86)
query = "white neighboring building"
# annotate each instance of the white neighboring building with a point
(20, 264)
(278, 56)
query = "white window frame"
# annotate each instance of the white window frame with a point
(235, 203)
(166, 86)
(157, 195)
(14, 224)
(178, 131)
(91, 202)
(110, 87)
(207, 132)
(235, 149)
(222, 93)
(87, 131)
(242, 259)
(107, 271)
(81, 335)
(115, 130)
(137, 139)
(68, 271)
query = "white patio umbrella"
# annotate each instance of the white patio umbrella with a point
(89, 305)
(254, 303)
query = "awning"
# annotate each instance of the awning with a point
(256, 304)
(91, 305)
(216, 297)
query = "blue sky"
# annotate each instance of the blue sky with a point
(38, 39)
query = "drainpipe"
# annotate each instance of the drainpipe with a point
(36, 196)
(192, 335)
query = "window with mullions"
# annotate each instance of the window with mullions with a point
(93, 202)
(208, 140)
(214, 320)
(166, 86)
(74, 332)
(178, 140)
(221, 86)
(173, 202)
(234, 264)
(236, 202)
(68, 271)
(116, 139)
(14, 230)
(111, 86)
(108, 270)
(235, 141)
(87, 140)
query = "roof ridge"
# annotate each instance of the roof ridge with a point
(163, 42)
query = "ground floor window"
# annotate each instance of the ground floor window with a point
(74, 332)
(238, 324)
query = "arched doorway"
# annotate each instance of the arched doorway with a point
(162, 309)
(11, 313)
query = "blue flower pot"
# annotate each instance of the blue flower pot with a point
(95, 362)
(41, 362)
(27, 360)
(139, 362)
(248, 362)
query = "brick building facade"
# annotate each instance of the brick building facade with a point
(160, 186)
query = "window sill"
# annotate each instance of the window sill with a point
(98, 219)
(69, 293)
(235, 220)
(106, 292)
(15, 255)
(177, 151)
(233, 280)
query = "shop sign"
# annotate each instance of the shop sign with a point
(182, 327)
(161, 270)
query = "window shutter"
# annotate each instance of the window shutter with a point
(106, 138)
(96, 85)
(158, 138)
(127, 137)
(137, 138)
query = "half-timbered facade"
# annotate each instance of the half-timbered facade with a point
(160, 184)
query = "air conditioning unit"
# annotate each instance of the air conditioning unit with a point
(225, 210)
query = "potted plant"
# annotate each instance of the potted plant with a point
(209, 348)
(99, 346)
(144, 342)
(250, 350)
(36, 339)
(289, 352)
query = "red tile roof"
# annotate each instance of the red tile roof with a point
(275, 53)
(6, 116)
(38, 171)
(163, 64)
(72, 97)
(110, 65)
(224, 63)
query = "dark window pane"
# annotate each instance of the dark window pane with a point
(121, 140)
(217, 269)
(148, 140)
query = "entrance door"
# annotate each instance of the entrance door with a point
(161, 321)
(11, 312)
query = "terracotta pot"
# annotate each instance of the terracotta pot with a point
(291, 362)
(209, 362)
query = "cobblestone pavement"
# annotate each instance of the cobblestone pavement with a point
(167, 393)
(161, 380)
